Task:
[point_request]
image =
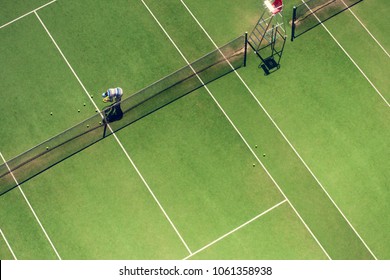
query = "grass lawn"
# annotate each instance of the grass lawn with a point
(172, 183)
(34, 68)
(11, 10)
(270, 237)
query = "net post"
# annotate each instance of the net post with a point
(105, 128)
(246, 47)
(293, 23)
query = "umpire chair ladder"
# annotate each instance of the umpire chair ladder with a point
(268, 37)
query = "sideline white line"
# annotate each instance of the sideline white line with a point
(6, 242)
(368, 31)
(283, 135)
(347, 54)
(236, 129)
(323, 25)
(32, 210)
(116, 138)
(26, 14)
(234, 230)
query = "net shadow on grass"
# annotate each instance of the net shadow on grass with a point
(312, 13)
(42, 157)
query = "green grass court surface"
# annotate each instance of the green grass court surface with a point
(293, 165)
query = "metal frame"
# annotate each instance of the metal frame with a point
(263, 31)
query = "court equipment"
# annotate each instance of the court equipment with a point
(268, 37)
(121, 114)
(311, 13)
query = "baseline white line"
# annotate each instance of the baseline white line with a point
(234, 230)
(283, 135)
(32, 210)
(368, 31)
(6, 242)
(236, 129)
(116, 138)
(26, 14)
(350, 58)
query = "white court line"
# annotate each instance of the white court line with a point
(26, 14)
(234, 230)
(281, 132)
(6, 242)
(32, 210)
(347, 54)
(236, 129)
(368, 31)
(374, 88)
(116, 138)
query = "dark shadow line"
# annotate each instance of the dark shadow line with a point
(323, 21)
(110, 133)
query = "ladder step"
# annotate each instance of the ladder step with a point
(262, 28)
(257, 43)
(264, 33)
(255, 37)
(258, 39)
(265, 36)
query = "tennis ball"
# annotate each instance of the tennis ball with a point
(78, 110)
(253, 165)
(91, 96)
(47, 148)
(51, 113)
(255, 146)
(84, 104)
(87, 125)
(263, 155)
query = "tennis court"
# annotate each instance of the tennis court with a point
(293, 165)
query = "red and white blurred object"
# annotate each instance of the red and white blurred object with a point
(275, 7)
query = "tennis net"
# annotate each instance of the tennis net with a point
(159, 94)
(311, 13)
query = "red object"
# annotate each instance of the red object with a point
(278, 5)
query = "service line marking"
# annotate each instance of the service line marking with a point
(236, 229)
(26, 14)
(281, 132)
